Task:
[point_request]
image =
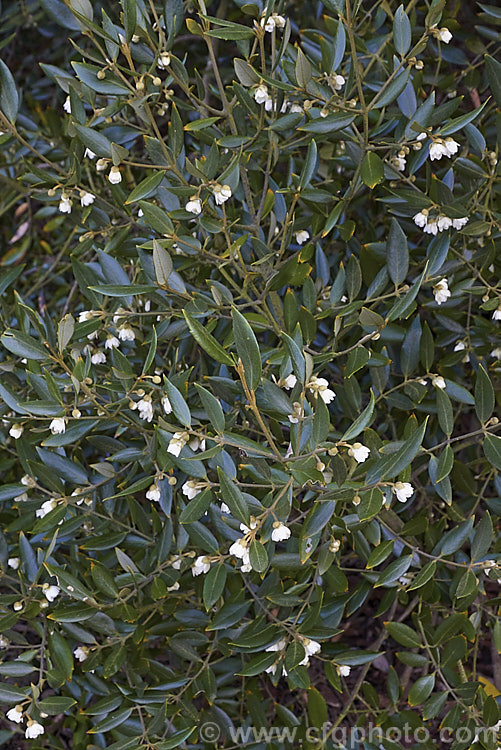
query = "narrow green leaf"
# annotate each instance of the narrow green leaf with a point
(484, 395)
(372, 171)
(247, 349)
(207, 341)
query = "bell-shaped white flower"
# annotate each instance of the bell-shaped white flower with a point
(225, 509)
(280, 532)
(444, 35)
(16, 431)
(431, 226)
(145, 408)
(438, 149)
(65, 204)
(261, 94)
(451, 146)
(33, 730)
(359, 452)
(441, 291)
(438, 382)
(302, 236)
(310, 646)
(443, 223)
(67, 105)
(289, 382)
(459, 223)
(81, 653)
(89, 154)
(421, 218)
(58, 426)
(194, 205)
(166, 405)
(338, 82)
(177, 443)
(163, 61)
(13, 562)
(403, 491)
(192, 488)
(239, 549)
(221, 193)
(50, 592)
(496, 315)
(86, 198)
(115, 176)
(101, 165)
(126, 333)
(344, 670)
(15, 714)
(153, 493)
(496, 352)
(111, 342)
(201, 565)
(98, 357)
(320, 386)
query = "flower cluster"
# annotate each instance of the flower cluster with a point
(435, 224)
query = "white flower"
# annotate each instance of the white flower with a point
(85, 315)
(273, 21)
(451, 146)
(28, 481)
(89, 154)
(51, 592)
(86, 199)
(459, 223)
(496, 315)
(224, 508)
(177, 443)
(297, 413)
(302, 236)
(81, 653)
(359, 452)
(13, 562)
(111, 342)
(115, 176)
(153, 493)
(344, 670)
(239, 549)
(196, 444)
(310, 647)
(431, 227)
(163, 61)
(16, 431)
(444, 35)
(17, 606)
(496, 352)
(334, 545)
(403, 491)
(33, 730)
(65, 204)
(145, 408)
(338, 82)
(58, 426)
(421, 219)
(174, 587)
(221, 193)
(438, 382)
(98, 358)
(67, 105)
(320, 386)
(191, 488)
(46, 508)
(421, 136)
(399, 163)
(280, 532)
(101, 165)
(261, 94)
(201, 565)
(194, 205)
(166, 404)
(4, 642)
(288, 382)
(176, 562)
(443, 223)
(15, 714)
(460, 346)
(126, 333)
(296, 109)
(441, 291)
(247, 529)
(438, 149)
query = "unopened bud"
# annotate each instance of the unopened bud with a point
(101, 74)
